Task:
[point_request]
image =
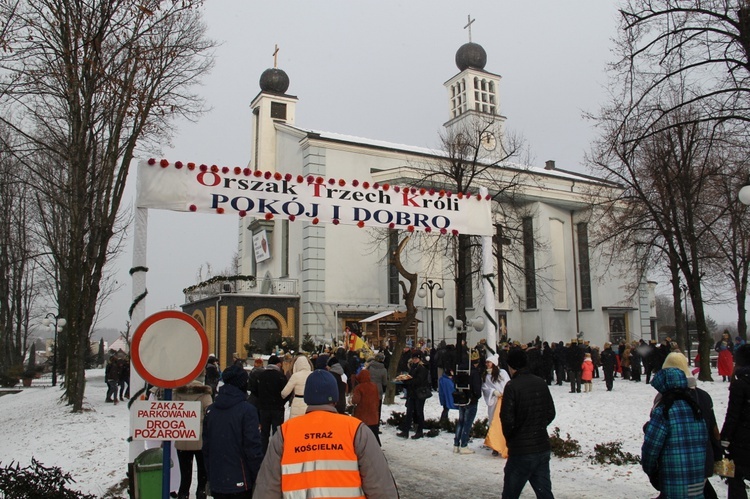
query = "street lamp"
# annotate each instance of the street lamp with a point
(687, 322)
(440, 293)
(59, 322)
(744, 194)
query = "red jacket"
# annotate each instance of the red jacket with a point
(588, 370)
(366, 399)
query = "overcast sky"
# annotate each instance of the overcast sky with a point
(373, 69)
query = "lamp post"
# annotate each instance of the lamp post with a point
(440, 293)
(744, 194)
(687, 323)
(59, 322)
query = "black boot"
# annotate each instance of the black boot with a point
(417, 435)
(403, 434)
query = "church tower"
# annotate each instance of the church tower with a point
(270, 106)
(474, 98)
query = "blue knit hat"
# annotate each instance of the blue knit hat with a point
(235, 375)
(321, 388)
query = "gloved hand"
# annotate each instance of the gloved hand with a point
(497, 394)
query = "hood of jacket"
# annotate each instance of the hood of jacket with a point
(194, 388)
(301, 364)
(669, 379)
(336, 368)
(229, 396)
(363, 376)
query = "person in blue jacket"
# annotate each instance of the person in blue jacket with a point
(446, 387)
(232, 450)
(673, 454)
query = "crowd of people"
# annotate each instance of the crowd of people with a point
(250, 448)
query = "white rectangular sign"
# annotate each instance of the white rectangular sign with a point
(165, 420)
(269, 195)
(261, 246)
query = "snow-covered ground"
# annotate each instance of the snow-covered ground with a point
(92, 445)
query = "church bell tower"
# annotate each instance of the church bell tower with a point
(474, 97)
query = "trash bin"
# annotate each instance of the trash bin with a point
(148, 474)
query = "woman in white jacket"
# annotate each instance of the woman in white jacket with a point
(492, 391)
(296, 385)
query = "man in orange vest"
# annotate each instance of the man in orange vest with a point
(324, 453)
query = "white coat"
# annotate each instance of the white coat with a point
(296, 385)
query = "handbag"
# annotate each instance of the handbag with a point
(423, 392)
(724, 468)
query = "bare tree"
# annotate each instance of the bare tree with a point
(667, 206)
(84, 84)
(701, 43)
(466, 164)
(731, 238)
(18, 260)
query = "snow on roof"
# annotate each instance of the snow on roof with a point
(406, 148)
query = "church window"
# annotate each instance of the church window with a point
(584, 266)
(618, 326)
(559, 264)
(285, 248)
(500, 240)
(278, 111)
(529, 268)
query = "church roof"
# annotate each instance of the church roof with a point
(439, 153)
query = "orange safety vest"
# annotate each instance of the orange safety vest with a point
(319, 459)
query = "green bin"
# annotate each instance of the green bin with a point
(148, 474)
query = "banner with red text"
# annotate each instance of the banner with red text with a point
(267, 195)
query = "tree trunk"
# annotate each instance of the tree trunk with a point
(403, 327)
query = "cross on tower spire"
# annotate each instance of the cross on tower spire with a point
(468, 25)
(276, 51)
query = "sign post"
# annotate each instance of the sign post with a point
(168, 349)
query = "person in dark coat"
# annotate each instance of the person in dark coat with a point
(559, 358)
(548, 362)
(534, 359)
(648, 354)
(449, 358)
(467, 413)
(573, 361)
(414, 405)
(112, 377)
(213, 375)
(270, 404)
(252, 384)
(609, 362)
(232, 451)
(526, 412)
(635, 363)
(334, 367)
(736, 430)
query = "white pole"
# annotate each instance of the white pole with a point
(138, 273)
(489, 289)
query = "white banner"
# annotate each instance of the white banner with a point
(165, 420)
(212, 189)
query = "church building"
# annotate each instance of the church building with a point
(314, 279)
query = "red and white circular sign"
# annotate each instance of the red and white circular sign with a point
(169, 349)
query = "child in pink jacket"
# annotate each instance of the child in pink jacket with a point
(588, 372)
